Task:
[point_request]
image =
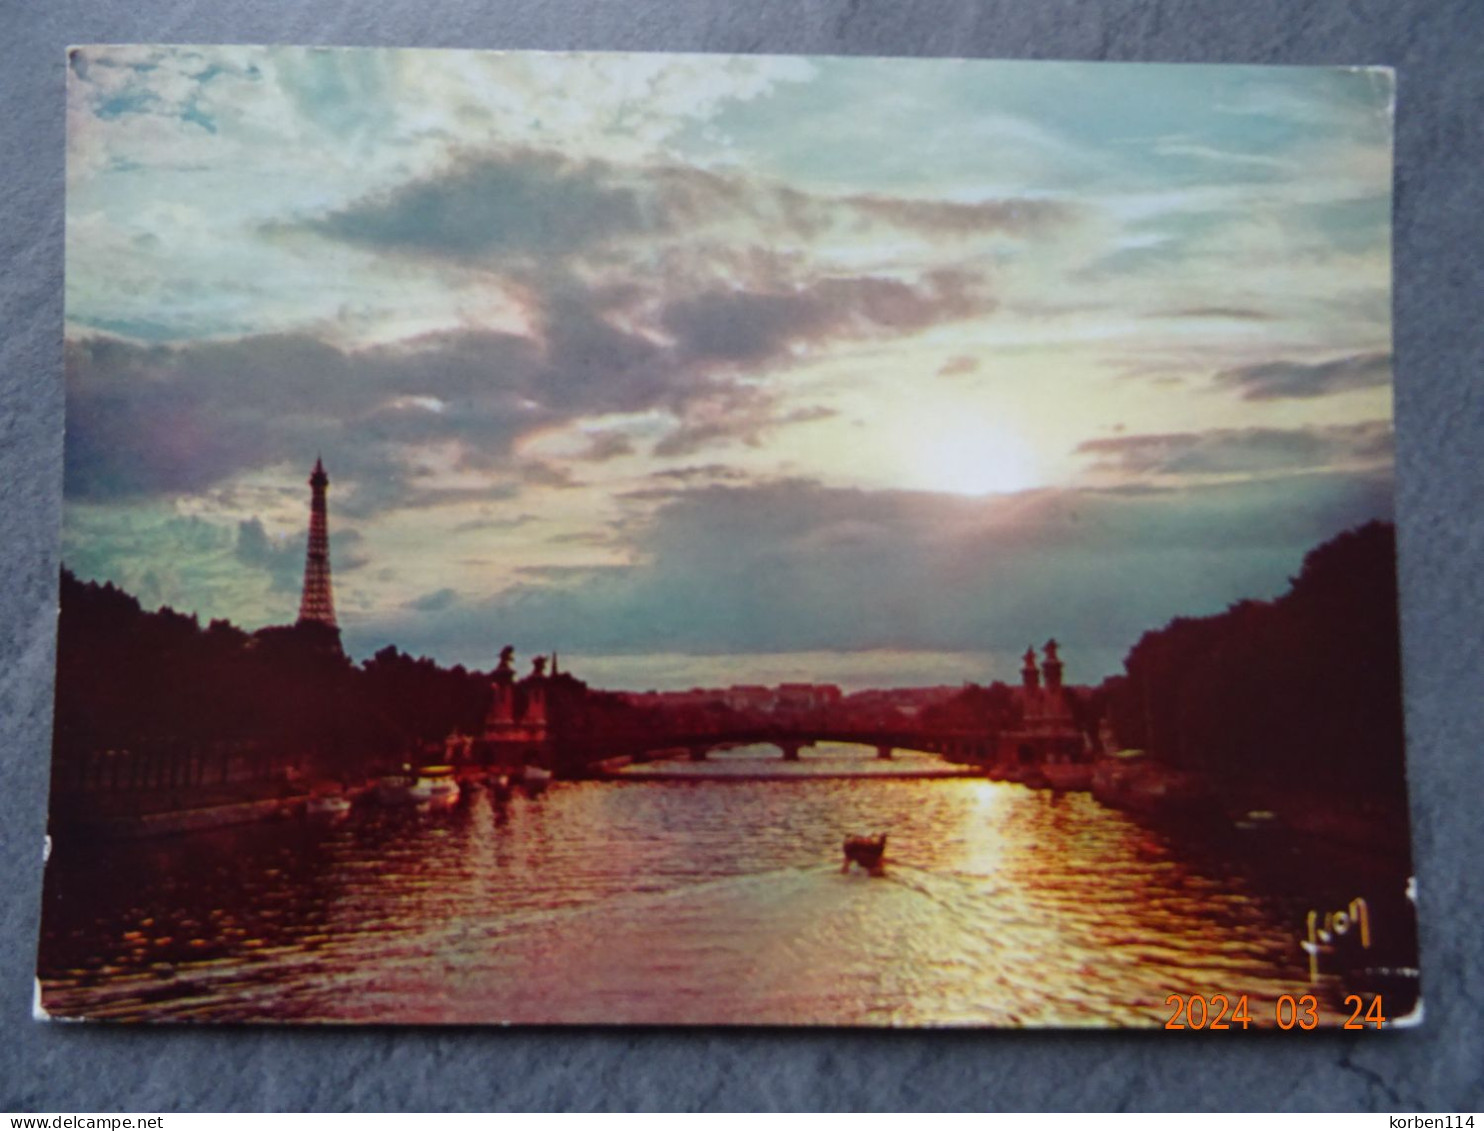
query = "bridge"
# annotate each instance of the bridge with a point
(542, 721)
(789, 738)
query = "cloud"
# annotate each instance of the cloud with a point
(738, 412)
(520, 201)
(488, 204)
(604, 446)
(795, 566)
(709, 471)
(1276, 380)
(953, 218)
(1226, 313)
(481, 524)
(176, 420)
(748, 327)
(283, 558)
(166, 420)
(566, 573)
(147, 421)
(433, 602)
(1228, 451)
(542, 474)
(605, 538)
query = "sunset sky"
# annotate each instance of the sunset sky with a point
(712, 369)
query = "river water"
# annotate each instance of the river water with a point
(692, 900)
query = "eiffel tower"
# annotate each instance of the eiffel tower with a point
(318, 603)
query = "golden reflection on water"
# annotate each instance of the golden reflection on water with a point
(671, 902)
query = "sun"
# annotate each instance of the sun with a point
(969, 457)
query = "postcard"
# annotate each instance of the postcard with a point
(682, 539)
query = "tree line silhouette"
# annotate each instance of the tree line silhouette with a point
(158, 684)
(1302, 691)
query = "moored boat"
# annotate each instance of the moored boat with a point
(436, 784)
(1133, 781)
(394, 789)
(535, 778)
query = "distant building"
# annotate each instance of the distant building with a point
(894, 703)
(807, 696)
(745, 698)
(750, 697)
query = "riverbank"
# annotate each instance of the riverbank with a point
(146, 813)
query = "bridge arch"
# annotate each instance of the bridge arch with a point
(792, 742)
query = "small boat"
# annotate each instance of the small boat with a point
(394, 789)
(867, 851)
(435, 784)
(1137, 783)
(535, 778)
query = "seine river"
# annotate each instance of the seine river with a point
(711, 901)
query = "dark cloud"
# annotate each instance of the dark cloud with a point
(541, 474)
(153, 420)
(603, 446)
(952, 218)
(1225, 451)
(741, 413)
(795, 566)
(1275, 380)
(745, 327)
(709, 471)
(691, 333)
(541, 203)
(584, 538)
(433, 602)
(748, 327)
(168, 420)
(570, 573)
(146, 420)
(495, 523)
(520, 201)
(1228, 313)
(808, 414)
(283, 558)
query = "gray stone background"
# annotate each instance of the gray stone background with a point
(1437, 47)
